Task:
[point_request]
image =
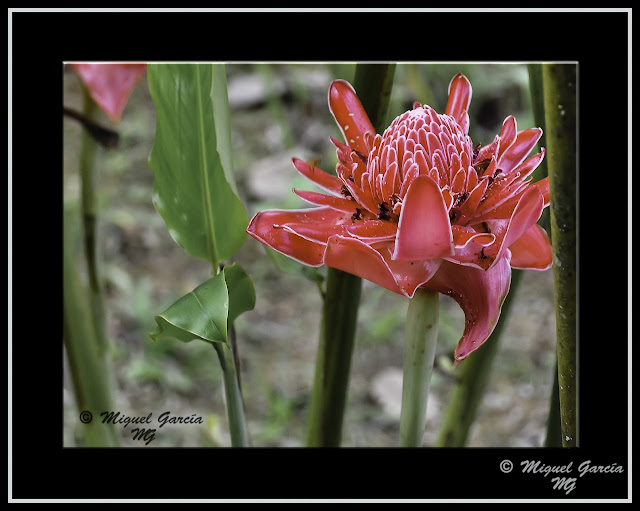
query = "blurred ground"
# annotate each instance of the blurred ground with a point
(280, 111)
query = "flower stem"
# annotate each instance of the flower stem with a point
(560, 113)
(87, 369)
(333, 362)
(227, 354)
(373, 84)
(89, 205)
(537, 103)
(472, 381)
(554, 432)
(233, 395)
(420, 339)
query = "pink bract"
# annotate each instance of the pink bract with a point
(110, 84)
(419, 205)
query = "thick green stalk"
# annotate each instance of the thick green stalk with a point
(88, 372)
(333, 361)
(472, 381)
(234, 402)
(554, 435)
(560, 112)
(228, 355)
(89, 205)
(537, 104)
(373, 83)
(420, 339)
(554, 431)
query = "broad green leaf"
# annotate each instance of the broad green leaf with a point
(205, 312)
(220, 99)
(242, 296)
(287, 265)
(190, 190)
(200, 314)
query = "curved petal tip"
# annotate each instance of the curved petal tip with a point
(350, 116)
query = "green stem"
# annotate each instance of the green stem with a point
(234, 402)
(373, 84)
(472, 380)
(227, 354)
(560, 112)
(88, 372)
(333, 361)
(89, 205)
(554, 431)
(537, 103)
(420, 339)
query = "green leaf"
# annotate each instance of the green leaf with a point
(191, 191)
(220, 99)
(200, 314)
(287, 265)
(242, 295)
(206, 311)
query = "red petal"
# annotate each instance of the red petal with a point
(526, 213)
(462, 236)
(502, 191)
(543, 186)
(373, 231)
(469, 206)
(110, 84)
(507, 134)
(358, 258)
(488, 151)
(409, 177)
(350, 115)
(362, 195)
(529, 165)
(268, 228)
(470, 245)
(518, 151)
(319, 199)
(463, 121)
(459, 97)
(424, 230)
(532, 250)
(325, 181)
(480, 295)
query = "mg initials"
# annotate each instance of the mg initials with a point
(564, 483)
(142, 434)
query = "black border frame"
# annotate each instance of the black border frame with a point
(41, 41)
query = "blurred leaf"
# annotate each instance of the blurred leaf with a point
(143, 370)
(288, 265)
(206, 311)
(386, 324)
(190, 191)
(280, 412)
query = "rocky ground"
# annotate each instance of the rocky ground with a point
(279, 112)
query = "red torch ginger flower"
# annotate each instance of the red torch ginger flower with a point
(419, 205)
(110, 84)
